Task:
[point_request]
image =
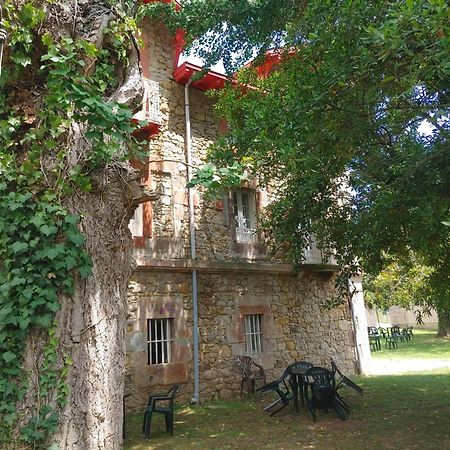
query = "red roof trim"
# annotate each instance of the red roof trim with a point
(177, 3)
(211, 80)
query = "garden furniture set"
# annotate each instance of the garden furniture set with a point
(392, 336)
(304, 384)
(301, 383)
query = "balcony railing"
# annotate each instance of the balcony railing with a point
(151, 102)
(246, 236)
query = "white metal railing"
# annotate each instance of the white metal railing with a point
(151, 103)
(245, 235)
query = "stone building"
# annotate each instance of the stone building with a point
(202, 262)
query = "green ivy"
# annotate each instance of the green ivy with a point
(41, 246)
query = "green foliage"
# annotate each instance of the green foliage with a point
(403, 283)
(217, 179)
(41, 246)
(337, 125)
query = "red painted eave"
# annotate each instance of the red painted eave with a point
(177, 4)
(211, 80)
(146, 132)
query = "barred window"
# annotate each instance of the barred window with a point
(253, 333)
(159, 341)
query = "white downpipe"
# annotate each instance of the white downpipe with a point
(196, 397)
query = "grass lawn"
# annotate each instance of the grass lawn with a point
(425, 345)
(410, 411)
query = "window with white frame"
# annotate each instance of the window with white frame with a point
(253, 333)
(245, 215)
(136, 224)
(159, 340)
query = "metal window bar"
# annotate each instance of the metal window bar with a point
(253, 334)
(159, 341)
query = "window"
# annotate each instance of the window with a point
(253, 333)
(245, 215)
(136, 224)
(159, 340)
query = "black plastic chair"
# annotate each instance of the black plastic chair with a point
(160, 403)
(298, 382)
(323, 393)
(251, 373)
(343, 380)
(281, 388)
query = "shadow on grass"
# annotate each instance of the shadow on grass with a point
(402, 412)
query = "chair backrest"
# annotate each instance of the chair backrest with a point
(382, 331)
(322, 378)
(245, 364)
(372, 330)
(173, 391)
(301, 365)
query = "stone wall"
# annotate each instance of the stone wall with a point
(295, 327)
(234, 279)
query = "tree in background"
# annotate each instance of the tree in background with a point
(403, 283)
(351, 125)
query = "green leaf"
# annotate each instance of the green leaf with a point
(48, 230)
(72, 219)
(19, 247)
(85, 271)
(9, 356)
(54, 252)
(76, 237)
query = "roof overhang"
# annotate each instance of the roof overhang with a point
(177, 3)
(211, 80)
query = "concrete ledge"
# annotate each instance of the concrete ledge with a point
(220, 266)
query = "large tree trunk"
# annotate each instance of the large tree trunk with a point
(91, 323)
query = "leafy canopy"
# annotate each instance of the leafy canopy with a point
(338, 125)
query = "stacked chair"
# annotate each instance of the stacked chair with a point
(321, 389)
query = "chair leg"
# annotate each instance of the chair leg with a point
(313, 413)
(169, 423)
(147, 424)
(242, 385)
(143, 422)
(340, 411)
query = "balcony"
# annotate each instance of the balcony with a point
(150, 112)
(314, 256)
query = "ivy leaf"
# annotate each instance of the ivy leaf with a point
(44, 321)
(48, 230)
(85, 271)
(9, 356)
(24, 322)
(16, 281)
(70, 262)
(72, 219)
(53, 252)
(76, 237)
(19, 247)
